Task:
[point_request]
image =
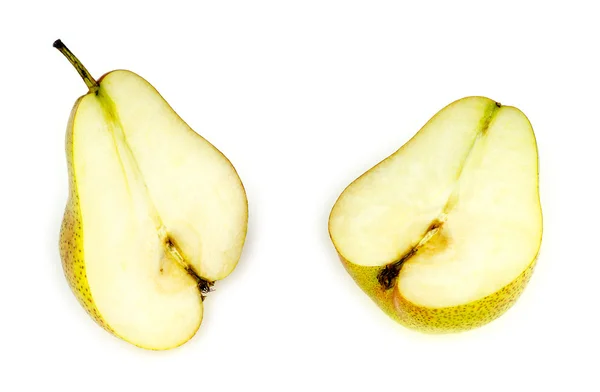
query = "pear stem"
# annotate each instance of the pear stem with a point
(83, 72)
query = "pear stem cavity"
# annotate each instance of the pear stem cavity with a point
(83, 72)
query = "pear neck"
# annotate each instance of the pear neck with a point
(90, 82)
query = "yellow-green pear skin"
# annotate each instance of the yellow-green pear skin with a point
(71, 237)
(155, 214)
(444, 234)
(442, 320)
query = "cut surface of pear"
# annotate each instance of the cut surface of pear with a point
(450, 219)
(156, 213)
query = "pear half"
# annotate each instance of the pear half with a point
(155, 214)
(444, 234)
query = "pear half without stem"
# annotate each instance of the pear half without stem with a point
(155, 214)
(444, 234)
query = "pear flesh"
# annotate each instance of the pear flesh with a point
(156, 214)
(447, 222)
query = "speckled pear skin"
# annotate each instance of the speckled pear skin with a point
(442, 320)
(71, 237)
(366, 279)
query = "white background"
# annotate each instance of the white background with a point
(303, 96)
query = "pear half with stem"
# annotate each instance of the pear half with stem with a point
(155, 215)
(444, 234)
